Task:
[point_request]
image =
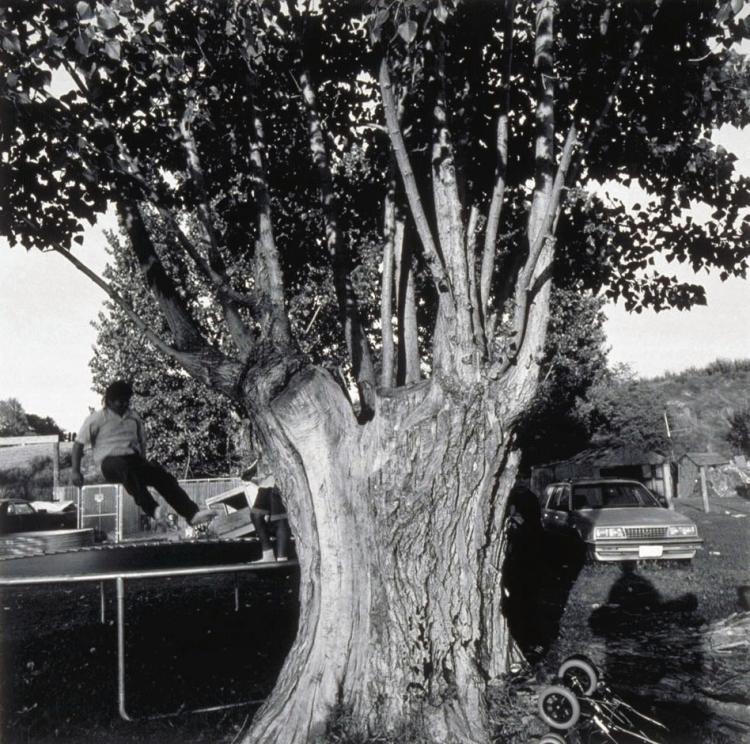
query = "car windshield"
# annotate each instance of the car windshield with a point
(612, 495)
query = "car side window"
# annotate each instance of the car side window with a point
(19, 509)
(561, 499)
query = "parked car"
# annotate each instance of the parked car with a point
(617, 520)
(17, 515)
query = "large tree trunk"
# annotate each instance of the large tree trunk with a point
(398, 529)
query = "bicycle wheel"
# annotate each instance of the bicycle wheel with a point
(559, 707)
(579, 674)
(552, 737)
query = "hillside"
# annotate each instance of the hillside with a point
(26, 472)
(700, 401)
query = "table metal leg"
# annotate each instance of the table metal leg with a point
(120, 583)
(102, 605)
(236, 594)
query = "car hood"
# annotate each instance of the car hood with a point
(642, 516)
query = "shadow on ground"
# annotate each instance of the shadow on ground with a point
(187, 647)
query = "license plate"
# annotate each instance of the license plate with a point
(650, 551)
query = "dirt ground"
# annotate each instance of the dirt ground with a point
(59, 681)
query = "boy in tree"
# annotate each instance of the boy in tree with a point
(118, 442)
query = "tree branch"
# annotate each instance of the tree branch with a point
(184, 329)
(119, 301)
(501, 150)
(386, 287)
(357, 343)
(529, 271)
(217, 271)
(213, 270)
(408, 367)
(448, 207)
(471, 252)
(269, 280)
(434, 259)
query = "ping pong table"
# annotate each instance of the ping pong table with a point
(122, 562)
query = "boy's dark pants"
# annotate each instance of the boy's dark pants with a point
(136, 474)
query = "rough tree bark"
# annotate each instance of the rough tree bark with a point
(398, 529)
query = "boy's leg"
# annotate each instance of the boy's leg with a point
(126, 471)
(259, 522)
(166, 484)
(282, 538)
(279, 521)
(258, 513)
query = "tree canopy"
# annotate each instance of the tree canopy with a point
(163, 104)
(390, 187)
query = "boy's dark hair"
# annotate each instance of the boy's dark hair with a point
(118, 390)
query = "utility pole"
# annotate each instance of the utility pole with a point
(668, 483)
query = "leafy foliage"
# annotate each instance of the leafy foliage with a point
(13, 419)
(739, 431)
(618, 411)
(139, 65)
(575, 359)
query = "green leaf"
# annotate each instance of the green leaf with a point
(112, 50)
(54, 41)
(83, 44)
(11, 43)
(737, 5)
(84, 12)
(108, 19)
(441, 12)
(408, 31)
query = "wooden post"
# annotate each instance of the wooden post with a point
(667, 480)
(704, 489)
(55, 468)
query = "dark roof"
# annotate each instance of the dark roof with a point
(706, 458)
(611, 457)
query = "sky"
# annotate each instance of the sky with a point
(47, 308)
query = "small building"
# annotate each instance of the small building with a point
(689, 472)
(653, 469)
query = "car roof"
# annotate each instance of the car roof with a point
(593, 481)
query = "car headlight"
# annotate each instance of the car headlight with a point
(682, 530)
(602, 533)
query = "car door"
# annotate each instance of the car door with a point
(555, 518)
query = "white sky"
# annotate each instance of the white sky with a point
(46, 337)
(654, 343)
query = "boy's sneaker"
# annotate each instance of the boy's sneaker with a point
(281, 559)
(267, 557)
(204, 516)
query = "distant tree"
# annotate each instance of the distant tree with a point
(13, 419)
(42, 425)
(739, 431)
(618, 411)
(575, 357)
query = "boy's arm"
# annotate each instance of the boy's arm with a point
(141, 435)
(76, 477)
